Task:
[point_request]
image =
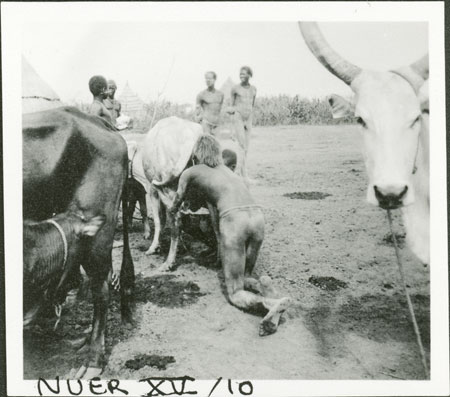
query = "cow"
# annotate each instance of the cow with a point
(50, 251)
(166, 153)
(392, 111)
(138, 186)
(73, 162)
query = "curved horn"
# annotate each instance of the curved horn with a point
(329, 58)
(421, 67)
(416, 73)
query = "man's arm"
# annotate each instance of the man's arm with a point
(254, 97)
(198, 107)
(182, 186)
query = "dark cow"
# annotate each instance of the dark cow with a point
(50, 250)
(73, 162)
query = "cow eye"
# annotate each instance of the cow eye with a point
(361, 122)
(417, 119)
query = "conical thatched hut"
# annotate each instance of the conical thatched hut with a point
(37, 95)
(132, 105)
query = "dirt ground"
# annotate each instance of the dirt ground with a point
(325, 247)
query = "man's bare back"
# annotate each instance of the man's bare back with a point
(219, 186)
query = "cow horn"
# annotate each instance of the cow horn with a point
(416, 73)
(421, 67)
(329, 58)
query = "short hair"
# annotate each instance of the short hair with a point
(248, 69)
(97, 84)
(207, 151)
(112, 83)
(213, 73)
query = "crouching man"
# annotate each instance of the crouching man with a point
(239, 226)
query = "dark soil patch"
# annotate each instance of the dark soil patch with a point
(381, 316)
(43, 345)
(307, 195)
(151, 360)
(164, 290)
(327, 283)
(389, 240)
(376, 317)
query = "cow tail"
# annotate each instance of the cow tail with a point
(127, 277)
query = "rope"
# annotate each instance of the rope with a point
(408, 299)
(58, 308)
(64, 239)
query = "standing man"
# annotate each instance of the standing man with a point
(113, 105)
(242, 102)
(209, 104)
(98, 86)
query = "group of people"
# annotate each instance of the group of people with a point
(209, 106)
(104, 104)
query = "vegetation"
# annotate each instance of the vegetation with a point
(269, 111)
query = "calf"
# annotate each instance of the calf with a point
(50, 251)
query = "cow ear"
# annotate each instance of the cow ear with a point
(92, 226)
(424, 98)
(340, 107)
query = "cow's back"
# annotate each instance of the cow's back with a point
(167, 148)
(69, 157)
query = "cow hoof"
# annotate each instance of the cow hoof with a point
(80, 372)
(166, 267)
(92, 372)
(267, 327)
(152, 250)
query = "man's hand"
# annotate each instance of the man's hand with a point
(230, 110)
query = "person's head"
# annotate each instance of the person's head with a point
(245, 73)
(112, 87)
(210, 79)
(229, 159)
(207, 151)
(98, 86)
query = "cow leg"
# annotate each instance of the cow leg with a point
(174, 221)
(155, 202)
(144, 214)
(127, 277)
(131, 201)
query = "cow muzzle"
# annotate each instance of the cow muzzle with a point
(390, 197)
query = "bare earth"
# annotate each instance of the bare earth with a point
(332, 254)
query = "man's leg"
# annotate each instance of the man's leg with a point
(239, 133)
(232, 252)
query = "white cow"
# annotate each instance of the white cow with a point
(392, 109)
(166, 151)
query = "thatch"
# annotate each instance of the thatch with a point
(130, 101)
(37, 95)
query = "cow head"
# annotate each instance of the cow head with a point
(388, 109)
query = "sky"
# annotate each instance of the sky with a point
(170, 58)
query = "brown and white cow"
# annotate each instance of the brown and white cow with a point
(392, 110)
(73, 162)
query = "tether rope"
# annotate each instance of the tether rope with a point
(408, 299)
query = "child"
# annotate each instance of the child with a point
(98, 86)
(239, 226)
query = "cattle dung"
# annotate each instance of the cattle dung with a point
(307, 195)
(164, 291)
(151, 360)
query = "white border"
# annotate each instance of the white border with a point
(14, 15)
